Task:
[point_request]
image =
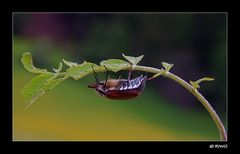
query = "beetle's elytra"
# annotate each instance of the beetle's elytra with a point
(119, 88)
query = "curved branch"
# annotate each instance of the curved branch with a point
(48, 80)
(205, 103)
(191, 89)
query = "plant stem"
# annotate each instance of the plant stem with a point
(194, 91)
(189, 87)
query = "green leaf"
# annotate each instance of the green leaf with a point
(46, 87)
(28, 64)
(50, 84)
(79, 71)
(68, 63)
(204, 79)
(133, 60)
(167, 66)
(39, 86)
(114, 65)
(59, 68)
(196, 85)
(34, 85)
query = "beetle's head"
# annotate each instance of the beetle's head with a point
(93, 85)
(96, 85)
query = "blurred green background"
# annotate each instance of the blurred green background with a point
(194, 42)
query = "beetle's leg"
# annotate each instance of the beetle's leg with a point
(96, 76)
(133, 74)
(150, 78)
(106, 77)
(130, 72)
(119, 76)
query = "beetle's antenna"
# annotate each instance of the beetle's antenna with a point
(106, 77)
(95, 75)
(133, 74)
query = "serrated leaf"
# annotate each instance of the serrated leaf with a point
(81, 70)
(39, 86)
(133, 60)
(59, 68)
(50, 84)
(34, 85)
(68, 63)
(114, 65)
(28, 64)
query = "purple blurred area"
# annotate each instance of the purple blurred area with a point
(50, 27)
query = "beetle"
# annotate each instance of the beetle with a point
(119, 88)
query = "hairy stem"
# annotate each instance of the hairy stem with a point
(194, 91)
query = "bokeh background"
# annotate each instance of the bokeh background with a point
(194, 42)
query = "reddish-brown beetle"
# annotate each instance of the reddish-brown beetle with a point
(119, 88)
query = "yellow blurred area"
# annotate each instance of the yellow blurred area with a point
(42, 127)
(71, 111)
